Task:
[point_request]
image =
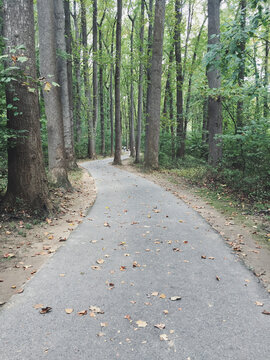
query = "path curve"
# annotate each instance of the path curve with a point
(152, 246)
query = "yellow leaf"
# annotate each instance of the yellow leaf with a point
(47, 86)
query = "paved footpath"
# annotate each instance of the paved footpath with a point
(137, 251)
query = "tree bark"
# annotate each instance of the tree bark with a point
(26, 172)
(77, 69)
(140, 87)
(95, 68)
(118, 138)
(68, 37)
(111, 90)
(148, 70)
(213, 75)
(132, 135)
(151, 160)
(265, 80)
(63, 79)
(52, 98)
(180, 147)
(101, 86)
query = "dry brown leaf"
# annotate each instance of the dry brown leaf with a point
(103, 324)
(95, 267)
(211, 258)
(107, 224)
(38, 306)
(100, 261)
(155, 293)
(45, 310)
(162, 296)
(83, 312)
(163, 337)
(265, 312)
(135, 264)
(203, 257)
(20, 291)
(96, 309)
(100, 334)
(160, 326)
(128, 317)
(165, 312)
(258, 303)
(68, 311)
(218, 278)
(141, 323)
(122, 268)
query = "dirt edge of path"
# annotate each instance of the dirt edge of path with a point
(254, 254)
(30, 246)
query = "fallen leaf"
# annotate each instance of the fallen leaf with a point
(211, 258)
(103, 324)
(83, 312)
(100, 261)
(172, 331)
(95, 267)
(96, 310)
(107, 224)
(122, 268)
(45, 310)
(265, 312)
(165, 312)
(100, 334)
(128, 317)
(68, 311)
(1, 280)
(164, 337)
(160, 326)
(203, 257)
(176, 250)
(13, 287)
(175, 298)
(218, 278)
(8, 255)
(258, 303)
(62, 239)
(135, 264)
(122, 243)
(155, 293)
(141, 323)
(20, 291)
(162, 296)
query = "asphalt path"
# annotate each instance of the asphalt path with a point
(140, 258)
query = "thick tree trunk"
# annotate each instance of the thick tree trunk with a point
(77, 69)
(68, 37)
(213, 75)
(62, 75)
(180, 150)
(151, 160)
(241, 57)
(111, 90)
(26, 173)
(132, 136)
(52, 98)
(140, 87)
(118, 138)
(148, 70)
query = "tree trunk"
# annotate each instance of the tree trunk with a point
(180, 150)
(68, 37)
(95, 67)
(132, 136)
(148, 70)
(241, 56)
(52, 98)
(118, 138)
(213, 75)
(151, 160)
(140, 88)
(111, 90)
(62, 75)
(265, 80)
(26, 173)
(101, 95)
(77, 69)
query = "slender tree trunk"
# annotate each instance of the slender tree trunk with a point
(95, 67)
(77, 69)
(151, 160)
(213, 75)
(52, 98)
(62, 75)
(132, 136)
(180, 150)
(101, 94)
(68, 37)
(111, 90)
(191, 76)
(26, 172)
(241, 56)
(118, 138)
(140, 87)
(265, 80)
(148, 70)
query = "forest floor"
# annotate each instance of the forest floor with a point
(26, 245)
(247, 235)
